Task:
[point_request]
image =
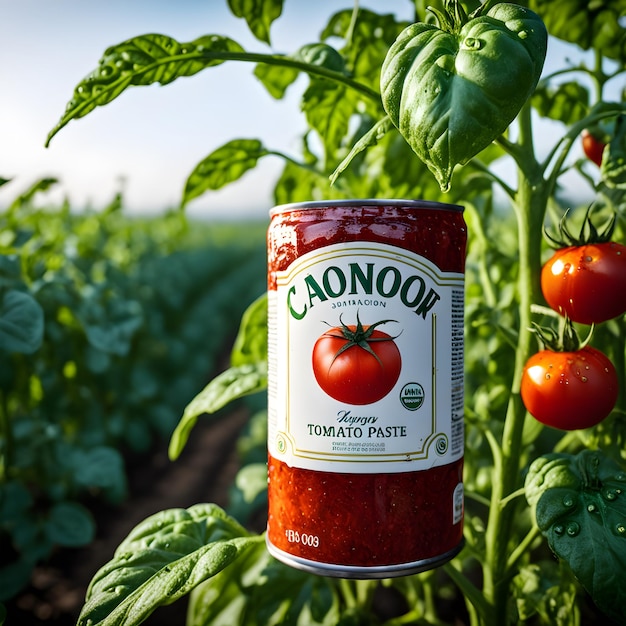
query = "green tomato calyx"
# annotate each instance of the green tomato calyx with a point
(589, 233)
(565, 339)
(358, 336)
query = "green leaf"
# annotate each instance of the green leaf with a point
(110, 322)
(323, 55)
(567, 102)
(15, 501)
(276, 79)
(21, 323)
(101, 467)
(249, 491)
(257, 590)
(587, 24)
(613, 167)
(546, 590)
(251, 342)
(252, 441)
(452, 92)
(160, 561)
(296, 183)
(328, 107)
(230, 385)
(39, 186)
(141, 61)
(223, 166)
(259, 14)
(580, 507)
(367, 41)
(70, 524)
(369, 139)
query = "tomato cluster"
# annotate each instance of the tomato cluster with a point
(571, 387)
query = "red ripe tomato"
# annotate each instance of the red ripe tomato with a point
(356, 364)
(592, 147)
(587, 283)
(569, 390)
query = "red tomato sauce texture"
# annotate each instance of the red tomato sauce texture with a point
(365, 520)
(432, 233)
(376, 518)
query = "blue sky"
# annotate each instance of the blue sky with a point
(150, 136)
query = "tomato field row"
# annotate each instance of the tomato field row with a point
(108, 326)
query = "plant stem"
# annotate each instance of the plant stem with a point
(530, 205)
(475, 599)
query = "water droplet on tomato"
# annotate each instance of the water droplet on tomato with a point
(573, 528)
(548, 376)
(592, 508)
(568, 501)
(621, 529)
(588, 259)
(583, 379)
(558, 529)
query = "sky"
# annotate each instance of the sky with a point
(147, 141)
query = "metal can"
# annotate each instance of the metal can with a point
(365, 386)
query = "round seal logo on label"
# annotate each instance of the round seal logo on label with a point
(281, 444)
(412, 396)
(441, 444)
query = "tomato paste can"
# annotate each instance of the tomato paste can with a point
(365, 386)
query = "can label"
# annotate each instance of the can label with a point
(366, 361)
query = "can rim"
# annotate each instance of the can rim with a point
(363, 572)
(366, 202)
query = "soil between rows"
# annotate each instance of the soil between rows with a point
(203, 473)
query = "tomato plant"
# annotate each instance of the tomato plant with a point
(569, 390)
(356, 364)
(587, 283)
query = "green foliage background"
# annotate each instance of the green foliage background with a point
(507, 572)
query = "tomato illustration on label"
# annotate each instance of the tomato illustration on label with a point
(356, 364)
